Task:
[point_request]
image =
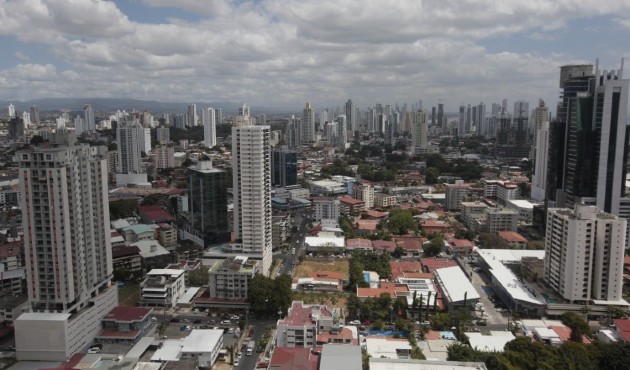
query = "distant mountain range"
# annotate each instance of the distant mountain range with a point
(112, 104)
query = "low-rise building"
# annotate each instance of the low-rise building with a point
(364, 192)
(153, 254)
(500, 219)
(382, 200)
(166, 235)
(135, 233)
(391, 348)
(303, 323)
(290, 358)
(203, 345)
(127, 258)
(125, 324)
(326, 208)
(162, 287)
(324, 243)
(457, 290)
(229, 279)
(525, 209)
(328, 187)
(350, 205)
(513, 239)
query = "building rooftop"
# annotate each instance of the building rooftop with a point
(329, 275)
(455, 284)
(351, 201)
(404, 364)
(378, 347)
(495, 342)
(334, 357)
(512, 237)
(317, 241)
(385, 287)
(293, 358)
(150, 248)
(139, 229)
(302, 315)
(128, 314)
(431, 264)
(155, 214)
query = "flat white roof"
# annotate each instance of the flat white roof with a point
(490, 343)
(546, 333)
(385, 347)
(189, 295)
(495, 259)
(44, 316)
(198, 341)
(171, 272)
(137, 350)
(403, 364)
(522, 203)
(317, 241)
(455, 284)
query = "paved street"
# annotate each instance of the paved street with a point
(297, 241)
(494, 318)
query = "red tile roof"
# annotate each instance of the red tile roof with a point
(512, 237)
(351, 201)
(432, 264)
(623, 329)
(294, 358)
(385, 245)
(10, 249)
(386, 287)
(400, 267)
(434, 224)
(344, 335)
(301, 316)
(124, 251)
(375, 214)
(129, 314)
(461, 243)
(410, 243)
(155, 214)
(367, 224)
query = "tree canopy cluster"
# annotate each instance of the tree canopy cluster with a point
(267, 296)
(524, 354)
(362, 261)
(457, 167)
(372, 309)
(401, 222)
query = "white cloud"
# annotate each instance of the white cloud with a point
(285, 52)
(21, 56)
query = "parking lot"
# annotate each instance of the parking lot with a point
(484, 288)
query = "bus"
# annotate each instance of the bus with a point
(250, 348)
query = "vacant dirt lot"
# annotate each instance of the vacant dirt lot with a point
(309, 266)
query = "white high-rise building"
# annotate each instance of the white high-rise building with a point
(26, 117)
(130, 138)
(88, 118)
(251, 183)
(539, 179)
(342, 131)
(68, 255)
(208, 119)
(79, 125)
(420, 132)
(584, 252)
(331, 133)
(308, 124)
(11, 111)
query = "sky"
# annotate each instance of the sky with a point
(283, 53)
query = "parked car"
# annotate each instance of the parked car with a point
(94, 350)
(226, 322)
(355, 322)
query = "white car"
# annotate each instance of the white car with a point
(226, 322)
(94, 350)
(355, 322)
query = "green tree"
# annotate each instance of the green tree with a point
(282, 293)
(122, 209)
(434, 247)
(398, 252)
(431, 175)
(441, 321)
(259, 294)
(577, 324)
(198, 277)
(401, 222)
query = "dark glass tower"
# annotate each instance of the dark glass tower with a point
(207, 203)
(283, 167)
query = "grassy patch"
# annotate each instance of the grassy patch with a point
(128, 295)
(307, 267)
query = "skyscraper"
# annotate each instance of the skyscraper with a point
(207, 203)
(342, 132)
(308, 124)
(440, 116)
(129, 136)
(35, 115)
(539, 178)
(208, 119)
(481, 119)
(11, 111)
(65, 215)
(163, 135)
(590, 166)
(251, 183)
(88, 119)
(79, 125)
(584, 251)
(283, 167)
(351, 116)
(193, 119)
(420, 132)
(16, 128)
(461, 128)
(294, 134)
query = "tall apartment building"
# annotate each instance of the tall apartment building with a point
(420, 132)
(326, 208)
(164, 157)
(539, 178)
(193, 118)
(308, 124)
(163, 135)
(501, 219)
(65, 216)
(457, 193)
(251, 184)
(88, 118)
(129, 137)
(351, 116)
(208, 120)
(35, 118)
(342, 132)
(207, 203)
(584, 252)
(283, 167)
(364, 192)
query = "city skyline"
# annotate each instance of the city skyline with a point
(324, 52)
